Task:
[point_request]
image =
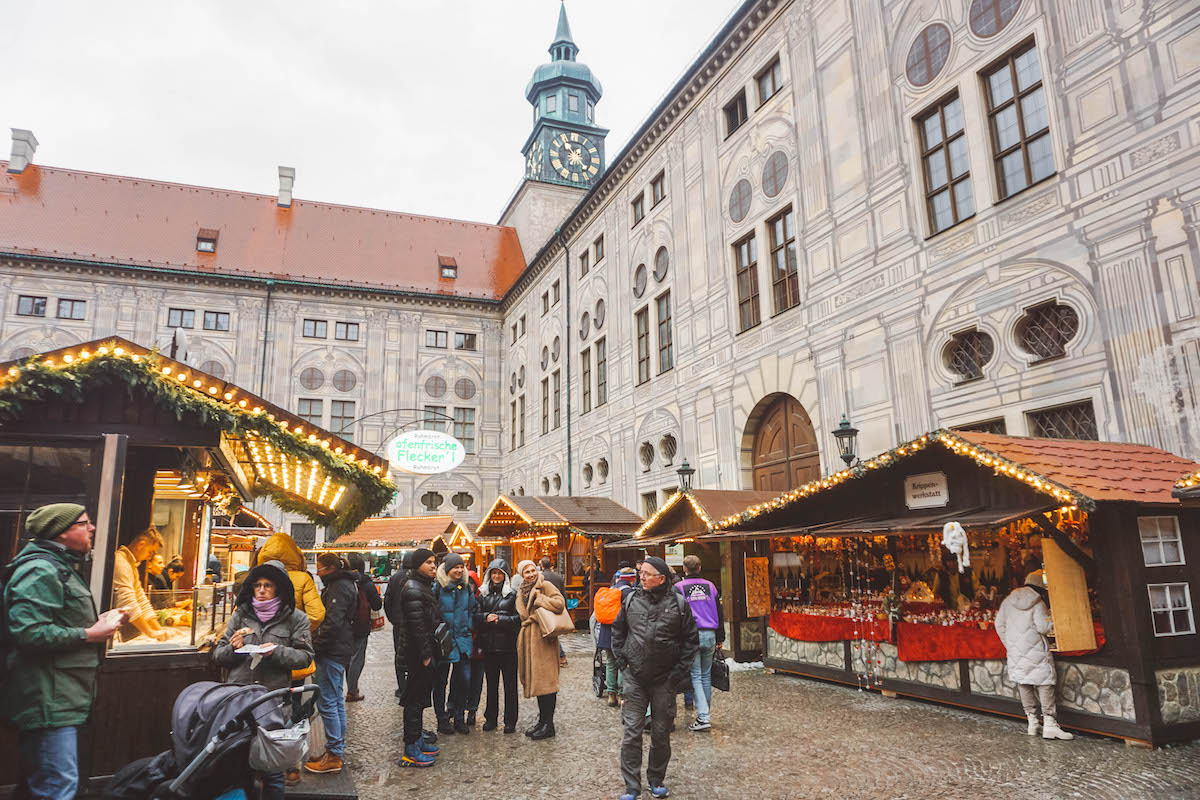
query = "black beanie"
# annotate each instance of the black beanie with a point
(417, 557)
(659, 565)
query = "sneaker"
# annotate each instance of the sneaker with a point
(354, 697)
(562, 661)
(612, 699)
(660, 791)
(700, 725)
(413, 757)
(291, 777)
(324, 765)
(628, 796)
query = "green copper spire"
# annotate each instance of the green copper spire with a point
(563, 48)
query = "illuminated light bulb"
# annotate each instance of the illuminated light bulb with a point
(258, 410)
(241, 404)
(137, 358)
(212, 390)
(103, 351)
(297, 429)
(13, 371)
(181, 377)
(68, 358)
(85, 354)
(325, 443)
(120, 351)
(196, 383)
(228, 395)
(375, 470)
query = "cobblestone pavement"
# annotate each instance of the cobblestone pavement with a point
(773, 736)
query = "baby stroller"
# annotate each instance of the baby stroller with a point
(221, 735)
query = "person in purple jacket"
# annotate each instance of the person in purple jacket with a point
(705, 602)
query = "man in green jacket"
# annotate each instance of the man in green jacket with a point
(55, 642)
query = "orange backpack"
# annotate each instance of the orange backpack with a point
(607, 605)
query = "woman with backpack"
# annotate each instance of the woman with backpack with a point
(368, 601)
(496, 627)
(537, 656)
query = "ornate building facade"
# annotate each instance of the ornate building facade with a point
(916, 213)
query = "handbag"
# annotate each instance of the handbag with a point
(720, 672)
(444, 637)
(554, 624)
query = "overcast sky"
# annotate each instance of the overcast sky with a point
(401, 105)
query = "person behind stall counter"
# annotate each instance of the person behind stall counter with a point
(127, 587)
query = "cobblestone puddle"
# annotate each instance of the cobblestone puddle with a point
(773, 736)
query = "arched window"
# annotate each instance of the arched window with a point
(599, 315)
(1046, 329)
(585, 325)
(22, 352)
(662, 263)
(639, 280)
(989, 17)
(602, 469)
(666, 449)
(587, 474)
(775, 173)
(557, 481)
(967, 354)
(462, 501)
(545, 486)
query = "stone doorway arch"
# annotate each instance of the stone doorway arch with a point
(784, 452)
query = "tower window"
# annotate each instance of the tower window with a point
(572, 102)
(590, 112)
(551, 103)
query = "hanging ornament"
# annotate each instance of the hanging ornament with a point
(955, 540)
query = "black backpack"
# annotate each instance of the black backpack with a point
(6, 641)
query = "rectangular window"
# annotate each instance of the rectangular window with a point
(545, 303)
(601, 372)
(513, 446)
(545, 406)
(522, 324)
(436, 339)
(435, 418)
(181, 318)
(1171, 608)
(572, 102)
(315, 329)
(341, 418)
(949, 197)
(514, 333)
(1076, 421)
(638, 207)
(28, 306)
(551, 103)
(72, 309)
(311, 411)
(598, 249)
(666, 358)
(583, 263)
(1020, 121)
(649, 504)
(521, 419)
(218, 321)
(206, 244)
(464, 341)
(658, 188)
(557, 377)
(769, 81)
(745, 254)
(345, 331)
(785, 272)
(585, 380)
(1161, 543)
(556, 292)
(591, 111)
(642, 325)
(735, 113)
(464, 428)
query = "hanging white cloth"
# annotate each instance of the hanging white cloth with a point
(954, 539)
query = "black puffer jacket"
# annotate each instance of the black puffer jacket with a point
(393, 606)
(421, 618)
(499, 636)
(334, 639)
(655, 637)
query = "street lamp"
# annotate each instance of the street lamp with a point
(847, 440)
(685, 473)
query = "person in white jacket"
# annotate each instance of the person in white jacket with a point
(1023, 623)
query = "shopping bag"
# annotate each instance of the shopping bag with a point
(279, 750)
(599, 676)
(720, 672)
(316, 736)
(377, 619)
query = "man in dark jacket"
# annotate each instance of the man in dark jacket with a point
(420, 618)
(56, 640)
(556, 580)
(496, 627)
(361, 628)
(654, 640)
(333, 643)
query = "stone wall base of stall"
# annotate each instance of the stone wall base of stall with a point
(1090, 688)
(1179, 694)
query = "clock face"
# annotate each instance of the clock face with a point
(574, 157)
(533, 164)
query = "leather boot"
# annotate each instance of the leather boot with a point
(612, 699)
(1034, 725)
(545, 731)
(537, 723)
(1050, 730)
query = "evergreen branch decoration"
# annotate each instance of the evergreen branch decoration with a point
(38, 381)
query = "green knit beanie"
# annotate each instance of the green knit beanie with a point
(49, 522)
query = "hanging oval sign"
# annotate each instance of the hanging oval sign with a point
(425, 452)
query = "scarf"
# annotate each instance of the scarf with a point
(265, 610)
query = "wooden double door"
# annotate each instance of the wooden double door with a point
(785, 452)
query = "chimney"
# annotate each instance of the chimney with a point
(24, 144)
(287, 176)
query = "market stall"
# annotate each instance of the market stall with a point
(382, 541)
(571, 531)
(888, 575)
(150, 444)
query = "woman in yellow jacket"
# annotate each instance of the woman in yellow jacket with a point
(283, 548)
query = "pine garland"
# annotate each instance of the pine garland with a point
(35, 383)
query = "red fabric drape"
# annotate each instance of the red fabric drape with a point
(816, 628)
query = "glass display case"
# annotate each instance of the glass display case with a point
(182, 619)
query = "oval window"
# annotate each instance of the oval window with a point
(775, 173)
(928, 54)
(739, 200)
(639, 280)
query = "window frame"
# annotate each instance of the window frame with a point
(33, 305)
(1008, 60)
(545, 405)
(583, 262)
(658, 188)
(545, 302)
(938, 109)
(601, 347)
(438, 336)
(736, 112)
(572, 102)
(464, 428)
(749, 269)
(521, 418)
(1171, 609)
(319, 328)
(183, 315)
(552, 104)
(585, 379)
(556, 398)
(71, 309)
(774, 70)
(342, 405)
(1160, 540)
(345, 328)
(641, 326)
(218, 318)
(786, 216)
(666, 343)
(433, 418)
(461, 340)
(206, 244)
(555, 293)
(305, 407)
(598, 250)
(638, 208)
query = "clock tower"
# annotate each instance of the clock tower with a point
(566, 146)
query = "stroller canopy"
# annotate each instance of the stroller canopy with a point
(202, 708)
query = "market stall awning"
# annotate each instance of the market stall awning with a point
(594, 516)
(394, 533)
(971, 520)
(261, 449)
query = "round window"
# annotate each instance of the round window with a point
(585, 325)
(639, 280)
(662, 263)
(214, 368)
(928, 54)
(521, 376)
(435, 386)
(739, 200)
(464, 388)
(989, 17)
(545, 357)
(557, 351)
(599, 315)
(312, 378)
(344, 380)
(775, 173)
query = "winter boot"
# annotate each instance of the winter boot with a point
(612, 699)
(460, 726)
(470, 719)
(1032, 730)
(536, 724)
(445, 726)
(1050, 730)
(413, 757)
(546, 731)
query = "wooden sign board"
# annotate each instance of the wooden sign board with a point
(1067, 585)
(758, 592)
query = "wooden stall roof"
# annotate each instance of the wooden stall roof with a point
(1066, 471)
(599, 516)
(393, 532)
(709, 505)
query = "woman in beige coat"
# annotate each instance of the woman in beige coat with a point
(537, 657)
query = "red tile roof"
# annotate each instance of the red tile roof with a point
(600, 515)
(1103, 471)
(69, 214)
(398, 531)
(721, 503)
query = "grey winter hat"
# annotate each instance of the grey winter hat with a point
(659, 565)
(453, 560)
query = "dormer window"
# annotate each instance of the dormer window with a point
(448, 267)
(206, 241)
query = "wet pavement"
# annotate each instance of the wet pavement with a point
(773, 736)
